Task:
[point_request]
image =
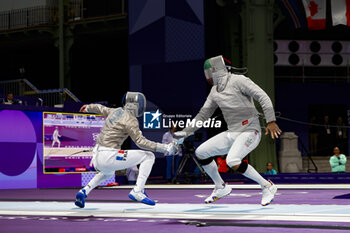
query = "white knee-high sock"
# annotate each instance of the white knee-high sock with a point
(144, 171)
(212, 170)
(251, 173)
(98, 179)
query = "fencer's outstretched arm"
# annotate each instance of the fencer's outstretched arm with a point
(204, 113)
(97, 108)
(133, 130)
(120, 124)
(131, 126)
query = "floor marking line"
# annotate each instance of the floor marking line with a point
(203, 224)
(306, 212)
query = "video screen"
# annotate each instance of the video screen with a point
(68, 141)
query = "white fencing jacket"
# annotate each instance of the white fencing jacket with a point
(119, 124)
(237, 105)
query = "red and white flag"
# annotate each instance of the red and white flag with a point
(315, 14)
(341, 12)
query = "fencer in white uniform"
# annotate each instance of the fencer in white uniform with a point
(108, 157)
(234, 95)
(55, 138)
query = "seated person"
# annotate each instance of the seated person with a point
(10, 100)
(337, 161)
(269, 169)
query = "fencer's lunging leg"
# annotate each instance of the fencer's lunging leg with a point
(243, 145)
(84, 192)
(249, 171)
(144, 170)
(211, 169)
(94, 182)
(217, 145)
(146, 161)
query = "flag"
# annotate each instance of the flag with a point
(315, 11)
(293, 12)
(341, 12)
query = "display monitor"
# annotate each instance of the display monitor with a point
(68, 141)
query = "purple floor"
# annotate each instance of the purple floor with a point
(56, 224)
(11, 224)
(181, 196)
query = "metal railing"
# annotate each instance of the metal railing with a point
(18, 87)
(33, 16)
(55, 97)
(50, 98)
(48, 14)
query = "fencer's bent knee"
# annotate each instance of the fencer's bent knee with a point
(242, 168)
(202, 157)
(204, 162)
(233, 162)
(200, 153)
(150, 156)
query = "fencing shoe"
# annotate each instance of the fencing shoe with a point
(141, 197)
(268, 193)
(80, 198)
(218, 193)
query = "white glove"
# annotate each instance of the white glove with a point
(179, 137)
(172, 148)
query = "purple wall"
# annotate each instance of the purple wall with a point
(21, 153)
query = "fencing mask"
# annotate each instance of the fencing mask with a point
(216, 72)
(135, 103)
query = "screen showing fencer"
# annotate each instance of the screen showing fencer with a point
(68, 141)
